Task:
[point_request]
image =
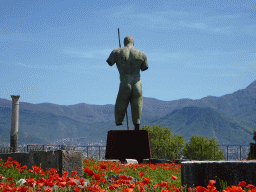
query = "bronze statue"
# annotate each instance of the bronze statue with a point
(129, 62)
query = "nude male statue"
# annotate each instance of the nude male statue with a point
(129, 62)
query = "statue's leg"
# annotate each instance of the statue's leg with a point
(137, 127)
(136, 103)
(122, 101)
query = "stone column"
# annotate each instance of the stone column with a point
(15, 123)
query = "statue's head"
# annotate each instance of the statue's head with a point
(128, 40)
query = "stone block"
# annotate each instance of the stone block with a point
(111, 160)
(155, 161)
(200, 172)
(61, 160)
(178, 161)
(127, 161)
(131, 161)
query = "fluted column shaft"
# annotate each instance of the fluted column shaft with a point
(15, 123)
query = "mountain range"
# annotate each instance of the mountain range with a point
(229, 119)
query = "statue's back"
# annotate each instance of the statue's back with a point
(129, 61)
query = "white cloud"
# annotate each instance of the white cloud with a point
(222, 30)
(166, 56)
(13, 36)
(155, 19)
(125, 9)
(76, 68)
(106, 52)
(81, 54)
(28, 66)
(177, 19)
(249, 29)
(201, 26)
(92, 54)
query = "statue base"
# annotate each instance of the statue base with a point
(128, 144)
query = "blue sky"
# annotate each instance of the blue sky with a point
(56, 51)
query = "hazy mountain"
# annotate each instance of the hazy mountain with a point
(43, 126)
(207, 122)
(229, 119)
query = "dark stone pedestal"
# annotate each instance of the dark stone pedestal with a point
(128, 144)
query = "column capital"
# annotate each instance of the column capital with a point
(15, 96)
(15, 99)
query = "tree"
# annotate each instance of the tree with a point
(252, 153)
(176, 146)
(200, 148)
(162, 143)
(173, 146)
